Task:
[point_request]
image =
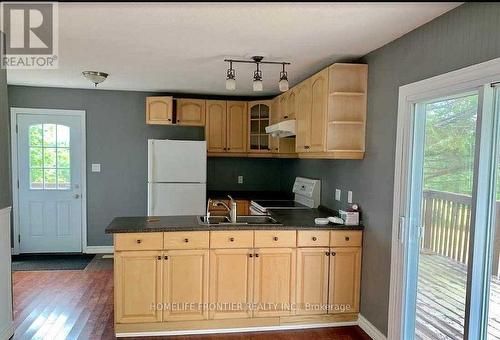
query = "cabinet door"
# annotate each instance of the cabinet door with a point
(283, 106)
(185, 285)
(303, 138)
(137, 286)
(215, 128)
(274, 281)
(319, 104)
(292, 104)
(274, 142)
(231, 283)
(190, 112)
(259, 116)
(159, 110)
(345, 274)
(237, 121)
(312, 280)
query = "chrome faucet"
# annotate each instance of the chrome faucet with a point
(231, 209)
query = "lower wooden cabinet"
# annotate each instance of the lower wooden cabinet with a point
(138, 286)
(274, 281)
(312, 280)
(231, 283)
(185, 284)
(236, 275)
(345, 275)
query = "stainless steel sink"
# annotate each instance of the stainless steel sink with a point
(212, 219)
(240, 220)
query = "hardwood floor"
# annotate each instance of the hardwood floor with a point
(79, 305)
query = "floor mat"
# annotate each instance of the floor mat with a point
(34, 262)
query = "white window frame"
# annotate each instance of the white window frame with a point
(459, 81)
(14, 111)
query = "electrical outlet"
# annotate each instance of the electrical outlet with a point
(96, 167)
(349, 196)
(240, 179)
(338, 193)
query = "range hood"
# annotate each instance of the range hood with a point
(282, 129)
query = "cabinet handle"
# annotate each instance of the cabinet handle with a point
(228, 149)
(256, 255)
(224, 149)
(333, 253)
(169, 120)
(231, 239)
(186, 240)
(314, 238)
(285, 117)
(178, 121)
(306, 147)
(250, 255)
(276, 149)
(275, 238)
(327, 253)
(159, 257)
(165, 257)
(347, 238)
(138, 241)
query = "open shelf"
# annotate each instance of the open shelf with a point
(350, 94)
(346, 122)
(348, 79)
(345, 137)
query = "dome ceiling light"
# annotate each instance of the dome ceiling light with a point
(95, 76)
(257, 75)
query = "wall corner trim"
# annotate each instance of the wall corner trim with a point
(5, 210)
(99, 250)
(370, 329)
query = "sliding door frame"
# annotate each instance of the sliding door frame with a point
(476, 77)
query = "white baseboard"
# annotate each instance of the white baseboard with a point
(99, 250)
(7, 332)
(235, 330)
(370, 329)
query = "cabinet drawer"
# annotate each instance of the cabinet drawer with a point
(313, 238)
(185, 240)
(139, 241)
(275, 238)
(231, 239)
(346, 238)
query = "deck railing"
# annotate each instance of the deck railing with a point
(446, 221)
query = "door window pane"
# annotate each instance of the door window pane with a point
(49, 157)
(450, 131)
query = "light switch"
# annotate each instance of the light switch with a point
(349, 196)
(337, 194)
(96, 167)
(240, 179)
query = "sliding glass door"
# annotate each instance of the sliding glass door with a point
(452, 286)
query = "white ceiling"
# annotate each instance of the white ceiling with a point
(175, 47)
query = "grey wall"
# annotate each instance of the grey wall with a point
(5, 181)
(116, 138)
(464, 36)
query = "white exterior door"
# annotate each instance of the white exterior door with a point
(49, 165)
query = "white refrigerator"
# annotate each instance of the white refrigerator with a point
(177, 177)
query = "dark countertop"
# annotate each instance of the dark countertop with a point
(250, 195)
(289, 219)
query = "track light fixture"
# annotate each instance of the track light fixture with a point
(230, 78)
(257, 74)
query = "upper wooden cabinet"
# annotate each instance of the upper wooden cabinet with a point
(259, 117)
(237, 123)
(190, 112)
(159, 110)
(226, 126)
(303, 122)
(215, 128)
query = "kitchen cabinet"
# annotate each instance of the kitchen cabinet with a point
(345, 274)
(291, 111)
(190, 112)
(259, 117)
(312, 280)
(138, 282)
(231, 282)
(237, 123)
(280, 147)
(303, 122)
(185, 284)
(215, 128)
(274, 281)
(159, 110)
(283, 106)
(226, 127)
